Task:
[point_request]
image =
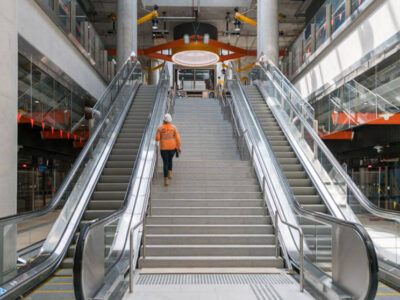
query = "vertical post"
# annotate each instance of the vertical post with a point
(313, 38)
(56, 7)
(268, 29)
(347, 8)
(301, 261)
(97, 51)
(328, 20)
(144, 237)
(301, 51)
(8, 121)
(131, 258)
(126, 29)
(85, 35)
(315, 125)
(72, 17)
(276, 234)
(104, 57)
(8, 108)
(290, 63)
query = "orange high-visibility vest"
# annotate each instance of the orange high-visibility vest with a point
(168, 136)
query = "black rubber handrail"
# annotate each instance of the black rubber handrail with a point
(316, 216)
(80, 246)
(53, 204)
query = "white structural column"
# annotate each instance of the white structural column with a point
(8, 107)
(154, 75)
(8, 131)
(126, 30)
(268, 29)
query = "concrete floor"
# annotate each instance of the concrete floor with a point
(216, 287)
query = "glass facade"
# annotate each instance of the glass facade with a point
(371, 99)
(68, 12)
(51, 120)
(303, 46)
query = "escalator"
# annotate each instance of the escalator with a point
(96, 187)
(320, 184)
(109, 193)
(302, 187)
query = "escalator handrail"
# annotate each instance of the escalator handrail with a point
(361, 198)
(46, 263)
(115, 216)
(315, 216)
(52, 205)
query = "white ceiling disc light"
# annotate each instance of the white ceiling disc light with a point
(195, 58)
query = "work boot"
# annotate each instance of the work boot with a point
(169, 174)
(165, 181)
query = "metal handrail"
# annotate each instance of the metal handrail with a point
(117, 214)
(301, 234)
(361, 198)
(50, 257)
(315, 216)
(18, 218)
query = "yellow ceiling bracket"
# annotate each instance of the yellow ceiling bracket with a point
(245, 68)
(244, 19)
(148, 17)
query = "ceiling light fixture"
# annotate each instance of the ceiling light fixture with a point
(237, 25)
(206, 39)
(154, 24)
(195, 55)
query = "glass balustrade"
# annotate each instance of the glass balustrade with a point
(382, 225)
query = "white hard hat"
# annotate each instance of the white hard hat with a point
(167, 118)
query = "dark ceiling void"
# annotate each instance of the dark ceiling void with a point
(367, 140)
(30, 138)
(193, 28)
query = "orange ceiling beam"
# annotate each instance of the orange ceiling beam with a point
(237, 52)
(160, 56)
(231, 56)
(166, 46)
(341, 135)
(361, 118)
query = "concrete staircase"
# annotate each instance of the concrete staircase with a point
(318, 236)
(212, 213)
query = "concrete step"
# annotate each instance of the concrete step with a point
(204, 181)
(210, 262)
(204, 189)
(206, 195)
(211, 176)
(209, 250)
(213, 211)
(209, 239)
(207, 203)
(208, 219)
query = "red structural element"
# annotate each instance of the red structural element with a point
(58, 116)
(341, 135)
(153, 52)
(60, 134)
(79, 144)
(360, 118)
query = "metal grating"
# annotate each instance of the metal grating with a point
(217, 279)
(265, 292)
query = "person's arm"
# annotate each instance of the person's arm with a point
(158, 136)
(178, 139)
